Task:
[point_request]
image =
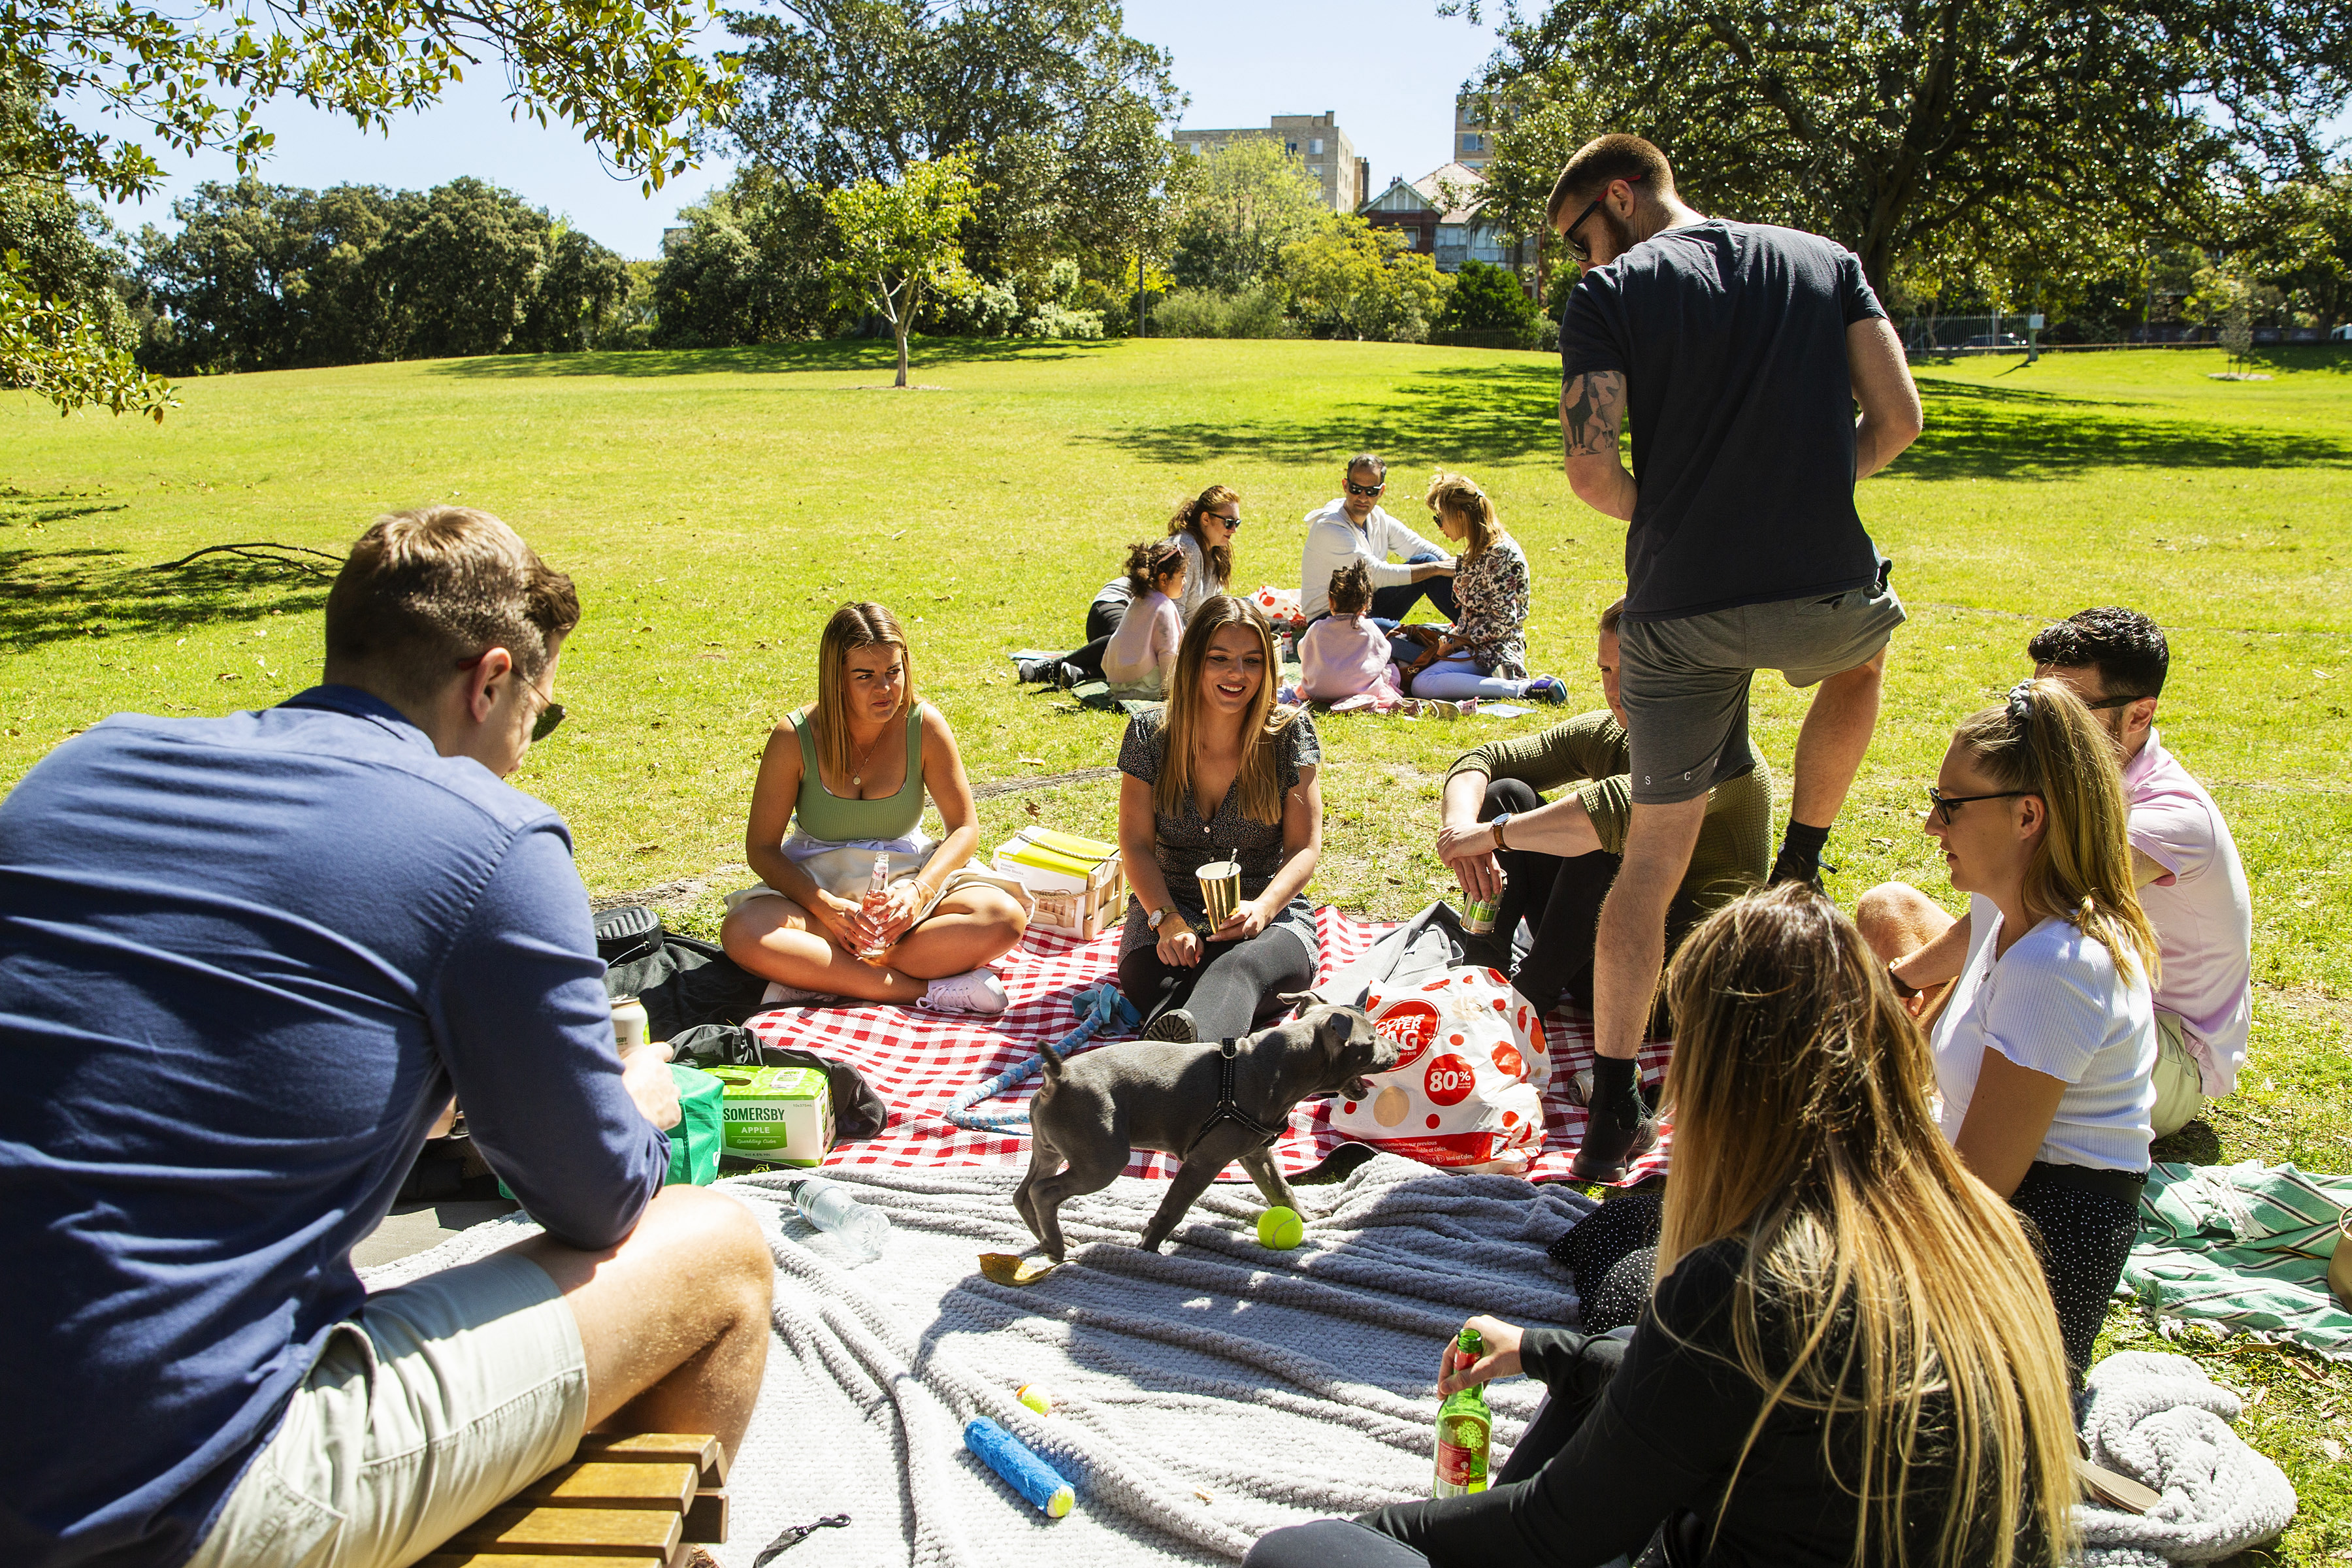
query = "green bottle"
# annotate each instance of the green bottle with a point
(1464, 1424)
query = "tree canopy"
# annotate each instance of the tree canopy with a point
(1061, 109)
(1939, 138)
(1238, 206)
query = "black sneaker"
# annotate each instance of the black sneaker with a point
(1610, 1145)
(1175, 1026)
(1038, 671)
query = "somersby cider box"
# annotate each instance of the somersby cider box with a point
(778, 1115)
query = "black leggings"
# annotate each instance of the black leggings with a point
(1235, 984)
(1103, 617)
(1367, 1543)
(2083, 1237)
(1560, 897)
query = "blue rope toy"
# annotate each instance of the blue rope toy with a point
(1098, 1008)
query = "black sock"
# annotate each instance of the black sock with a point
(1800, 853)
(1617, 1084)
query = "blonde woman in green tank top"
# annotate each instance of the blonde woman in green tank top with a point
(841, 783)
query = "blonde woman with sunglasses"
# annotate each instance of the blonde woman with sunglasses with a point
(2046, 1045)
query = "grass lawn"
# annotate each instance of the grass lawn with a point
(716, 507)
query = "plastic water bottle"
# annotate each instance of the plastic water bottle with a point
(834, 1209)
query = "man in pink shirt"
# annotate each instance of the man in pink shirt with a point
(2190, 881)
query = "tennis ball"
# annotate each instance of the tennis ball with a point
(1036, 1398)
(1280, 1229)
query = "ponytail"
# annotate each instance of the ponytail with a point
(1149, 561)
(1460, 494)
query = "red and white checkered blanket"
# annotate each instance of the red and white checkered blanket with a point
(918, 1061)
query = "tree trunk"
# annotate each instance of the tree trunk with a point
(901, 325)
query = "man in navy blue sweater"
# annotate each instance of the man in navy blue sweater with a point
(244, 965)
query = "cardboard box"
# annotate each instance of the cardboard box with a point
(779, 1115)
(1078, 885)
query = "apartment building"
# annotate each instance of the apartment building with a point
(1472, 147)
(1317, 141)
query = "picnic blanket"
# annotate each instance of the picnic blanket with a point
(919, 1061)
(1204, 1396)
(2160, 1420)
(2244, 1246)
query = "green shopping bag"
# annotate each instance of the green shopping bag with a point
(694, 1142)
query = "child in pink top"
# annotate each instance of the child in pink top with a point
(1141, 655)
(1344, 655)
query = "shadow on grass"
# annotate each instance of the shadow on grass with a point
(773, 359)
(1983, 432)
(49, 597)
(1462, 413)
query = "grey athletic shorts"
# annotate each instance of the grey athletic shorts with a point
(1685, 682)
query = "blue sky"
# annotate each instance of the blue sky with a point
(1388, 68)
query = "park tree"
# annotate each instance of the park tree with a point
(1351, 280)
(2297, 236)
(1943, 133)
(1237, 207)
(195, 77)
(460, 267)
(262, 277)
(581, 294)
(750, 269)
(899, 243)
(1062, 109)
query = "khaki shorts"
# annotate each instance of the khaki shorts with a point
(2180, 1081)
(1685, 682)
(438, 1402)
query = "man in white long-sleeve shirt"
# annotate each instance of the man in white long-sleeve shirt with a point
(1353, 527)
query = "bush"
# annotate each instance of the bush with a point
(1485, 300)
(1061, 322)
(1255, 312)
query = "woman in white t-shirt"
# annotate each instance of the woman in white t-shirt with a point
(2046, 1047)
(1204, 529)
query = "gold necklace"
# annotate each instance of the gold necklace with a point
(857, 773)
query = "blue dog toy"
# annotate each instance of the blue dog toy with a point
(1022, 1470)
(1100, 1008)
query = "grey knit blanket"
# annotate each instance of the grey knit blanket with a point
(2160, 1420)
(1202, 1396)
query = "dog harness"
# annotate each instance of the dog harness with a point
(1227, 1109)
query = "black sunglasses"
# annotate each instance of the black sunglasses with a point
(2115, 702)
(1229, 523)
(548, 717)
(1356, 490)
(1583, 251)
(1945, 806)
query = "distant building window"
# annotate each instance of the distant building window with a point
(1474, 144)
(1290, 146)
(1316, 146)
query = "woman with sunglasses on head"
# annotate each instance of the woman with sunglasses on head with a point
(1483, 654)
(1849, 1356)
(1220, 773)
(1204, 529)
(848, 775)
(2045, 1047)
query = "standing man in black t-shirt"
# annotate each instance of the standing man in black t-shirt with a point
(1739, 351)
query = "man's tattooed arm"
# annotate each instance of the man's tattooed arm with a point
(1592, 417)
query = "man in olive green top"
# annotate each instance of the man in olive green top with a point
(1554, 864)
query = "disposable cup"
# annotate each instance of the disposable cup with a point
(1221, 890)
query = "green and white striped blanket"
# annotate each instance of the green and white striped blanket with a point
(2245, 1247)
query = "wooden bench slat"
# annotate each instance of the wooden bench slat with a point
(706, 1517)
(606, 1484)
(532, 1559)
(578, 1531)
(675, 1448)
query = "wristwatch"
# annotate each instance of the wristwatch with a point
(1151, 921)
(1497, 825)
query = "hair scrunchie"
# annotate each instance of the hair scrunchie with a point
(2020, 701)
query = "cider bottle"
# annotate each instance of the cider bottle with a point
(1464, 1424)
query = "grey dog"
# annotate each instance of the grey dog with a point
(1208, 1103)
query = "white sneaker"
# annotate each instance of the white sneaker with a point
(779, 994)
(975, 991)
